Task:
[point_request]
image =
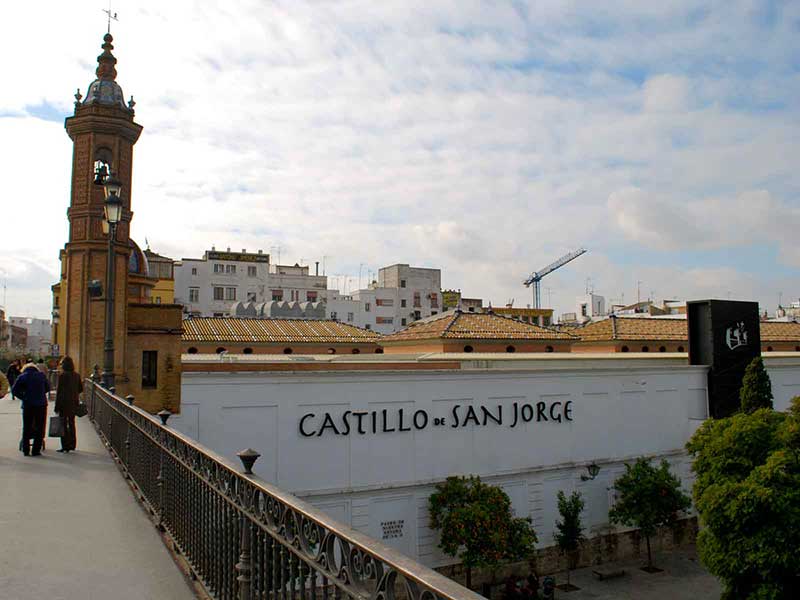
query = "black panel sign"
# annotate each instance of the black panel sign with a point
(724, 334)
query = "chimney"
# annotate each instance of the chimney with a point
(213, 248)
(229, 248)
(260, 251)
(244, 250)
(317, 269)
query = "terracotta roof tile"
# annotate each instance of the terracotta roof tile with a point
(229, 329)
(634, 328)
(780, 331)
(473, 326)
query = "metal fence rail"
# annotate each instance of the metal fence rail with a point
(245, 539)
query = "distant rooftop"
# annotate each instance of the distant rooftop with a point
(230, 329)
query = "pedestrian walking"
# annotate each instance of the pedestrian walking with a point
(68, 394)
(31, 387)
(12, 372)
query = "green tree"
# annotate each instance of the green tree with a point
(569, 530)
(477, 525)
(747, 493)
(649, 497)
(756, 390)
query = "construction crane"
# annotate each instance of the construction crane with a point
(537, 276)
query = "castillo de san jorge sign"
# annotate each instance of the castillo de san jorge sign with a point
(363, 422)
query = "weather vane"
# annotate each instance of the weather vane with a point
(110, 16)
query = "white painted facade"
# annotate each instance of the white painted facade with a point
(620, 408)
(210, 285)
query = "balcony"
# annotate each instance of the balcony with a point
(233, 535)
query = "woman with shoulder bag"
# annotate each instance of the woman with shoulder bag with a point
(68, 394)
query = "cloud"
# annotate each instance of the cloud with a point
(484, 138)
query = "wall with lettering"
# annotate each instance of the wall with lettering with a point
(346, 431)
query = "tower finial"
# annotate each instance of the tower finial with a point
(106, 61)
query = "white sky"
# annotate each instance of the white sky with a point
(484, 138)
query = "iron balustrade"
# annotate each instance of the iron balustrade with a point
(243, 538)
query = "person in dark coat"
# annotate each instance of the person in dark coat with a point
(32, 387)
(12, 372)
(70, 387)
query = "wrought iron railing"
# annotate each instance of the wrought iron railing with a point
(245, 539)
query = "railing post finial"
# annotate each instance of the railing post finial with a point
(248, 458)
(130, 399)
(164, 415)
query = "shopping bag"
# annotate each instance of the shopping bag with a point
(56, 427)
(81, 411)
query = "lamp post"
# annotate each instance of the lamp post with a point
(113, 213)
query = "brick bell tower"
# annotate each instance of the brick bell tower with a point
(103, 133)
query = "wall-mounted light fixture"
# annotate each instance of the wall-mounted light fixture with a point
(593, 469)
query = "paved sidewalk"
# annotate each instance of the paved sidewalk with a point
(70, 528)
(683, 578)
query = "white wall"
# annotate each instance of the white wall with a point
(620, 410)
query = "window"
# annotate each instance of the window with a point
(583, 310)
(468, 348)
(384, 302)
(149, 368)
(194, 270)
(287, 350)
(366, 307)
(417, 315)
(378, 350)
(331, 350)
(350, 317)
(192, 350)
(680, 348)
(403, 283)
(311, 296)
(403, 322)
(624, 349)
(219, 293)
(385, 320)
(510, 349)
(548, 349)
(157, 300)
(645, 349)
(769, 348)
(219, 314)
(434, 301)
(230, 269)
(218, 268)
(434, 312)
(220, 350)
(251, 271)
(277, 295)
(251, 296)
(295, 294)
(417, 301)
(662, 349)
(230, 293)
(247, 351)
(367, 326)
(356, 351)
(333, 315)
(194, 295)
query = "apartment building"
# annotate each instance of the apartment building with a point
(210, 285)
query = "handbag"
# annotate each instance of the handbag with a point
(81, 410)
(56, 428)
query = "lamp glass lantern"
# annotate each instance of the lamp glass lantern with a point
(113, 205)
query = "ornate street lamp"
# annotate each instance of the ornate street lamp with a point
(113, 214)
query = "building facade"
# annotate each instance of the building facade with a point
(39, 334)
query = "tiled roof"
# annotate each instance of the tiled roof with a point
(229, 329)
(634, 328)
(780, 331)
(473, 326)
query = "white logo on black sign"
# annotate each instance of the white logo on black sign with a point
(736, 336)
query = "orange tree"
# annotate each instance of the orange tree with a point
(477, 525)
